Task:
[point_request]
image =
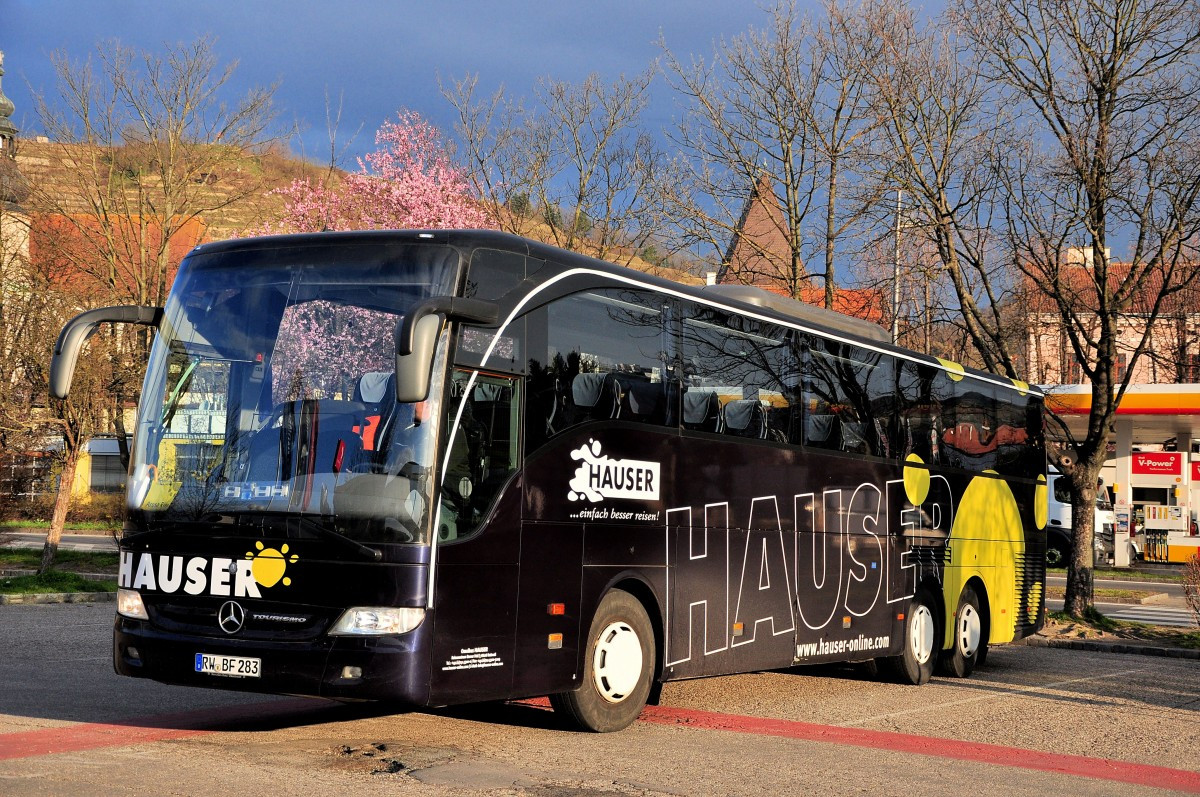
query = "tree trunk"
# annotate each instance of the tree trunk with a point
(830, 233)
(1079, 596)
(122, 435)
(62, 503)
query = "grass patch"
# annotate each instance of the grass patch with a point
(78, 525)
(1100, 593)
(1097, 626)
(65, 559)
(54, 581)
(1122, 575)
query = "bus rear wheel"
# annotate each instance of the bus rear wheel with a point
(968, 643)
(914, 664)
(618, 667)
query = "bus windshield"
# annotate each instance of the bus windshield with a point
(270, 394)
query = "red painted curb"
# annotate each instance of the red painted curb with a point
(141, 730)
(980, 752)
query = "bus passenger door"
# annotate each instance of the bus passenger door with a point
(475, 593)
(549, 619)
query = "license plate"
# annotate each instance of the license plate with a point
(229, 666)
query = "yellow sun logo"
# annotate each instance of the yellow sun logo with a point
(269, 565)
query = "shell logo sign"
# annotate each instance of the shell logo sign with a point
(1158, 463)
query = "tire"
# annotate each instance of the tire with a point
(618, 667)
(1056, 552)
(968, 640)
(922, 631)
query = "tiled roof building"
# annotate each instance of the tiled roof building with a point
(760, 254)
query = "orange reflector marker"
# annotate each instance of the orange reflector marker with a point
(555, 642)
(556, 609)
(737, 629)
(900, 615)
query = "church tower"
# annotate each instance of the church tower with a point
(8, 133)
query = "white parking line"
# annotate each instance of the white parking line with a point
(1008, 692)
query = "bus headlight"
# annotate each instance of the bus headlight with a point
(376, 621)
(129, 604)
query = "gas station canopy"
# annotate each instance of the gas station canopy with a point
(1156, 412)
(1147, 418)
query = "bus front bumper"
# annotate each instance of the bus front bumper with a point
(389, 668)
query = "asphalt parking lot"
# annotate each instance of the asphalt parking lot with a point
(1032, 721)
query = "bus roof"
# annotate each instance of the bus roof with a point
(743, 298)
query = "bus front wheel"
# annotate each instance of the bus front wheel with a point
(618, 667)
(914, 664)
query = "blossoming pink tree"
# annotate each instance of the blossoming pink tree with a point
(408, 183)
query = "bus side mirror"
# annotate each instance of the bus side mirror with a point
(416, 336)
(413, 367)
(76, 332)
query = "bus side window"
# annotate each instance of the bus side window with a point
(883, 422)
(607, 355)
(595, 396)
(482, 451)
(819, 429)
(745, 365)
(847, 397)
(745, 418)
(971, 437)
(823, 397)
(922, 413)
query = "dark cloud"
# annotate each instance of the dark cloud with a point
(378, 56)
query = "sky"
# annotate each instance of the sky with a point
(378, 56)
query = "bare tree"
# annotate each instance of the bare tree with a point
(34, 303)
(150, 138)
(790, 102)
(746, 115)
(844, 120)
(147, 146)
(942, 127)
(19, 315)
(1110, 91)
(574, 169)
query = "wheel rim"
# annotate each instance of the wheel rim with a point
(969, 630)
(920, 638)
(617, 663)
(1054, 557)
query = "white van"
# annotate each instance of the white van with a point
(1058, 522)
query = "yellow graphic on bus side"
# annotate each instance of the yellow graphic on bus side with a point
(1041, 502)
(987, 540)
(953, 370)
(916, 480)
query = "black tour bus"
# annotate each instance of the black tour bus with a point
(437, 467)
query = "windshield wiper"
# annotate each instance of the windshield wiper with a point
(181, 387)
(324, 531)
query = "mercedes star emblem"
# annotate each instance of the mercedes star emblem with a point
(231, 617)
